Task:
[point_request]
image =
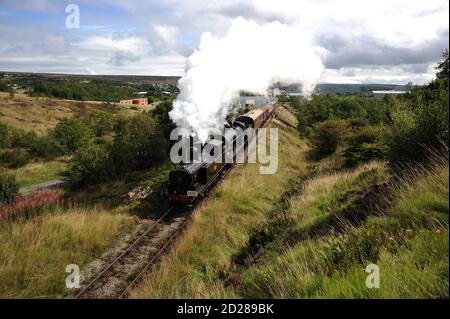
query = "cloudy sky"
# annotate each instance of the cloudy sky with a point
(381, 41)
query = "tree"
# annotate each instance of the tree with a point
(100, 123)
(139, 143)
(443, 72)
(90, 165)
(327, 135)
(161, 114)
(72, 133)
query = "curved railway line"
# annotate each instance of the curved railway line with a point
(98, 287)
(121, 274)
(94, 288)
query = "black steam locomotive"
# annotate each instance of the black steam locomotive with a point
(188, 182)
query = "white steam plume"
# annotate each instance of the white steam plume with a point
(249, 57)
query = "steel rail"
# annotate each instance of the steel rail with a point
(124, 253)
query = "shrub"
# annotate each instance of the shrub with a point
(5, 136)
(46, 147)
(71, 134)
(419, 125)
(328, 135)
(91, 165)
(330, 106)
(8, 188)
(100, 123)
(365, 144)
(139, 143)
(15, 158)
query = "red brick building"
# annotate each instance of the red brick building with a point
(139, 101)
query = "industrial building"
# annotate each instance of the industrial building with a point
(139, 102)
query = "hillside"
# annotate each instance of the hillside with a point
(41, 114)
(306, 232)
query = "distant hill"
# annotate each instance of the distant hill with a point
(345, 89)
(129, 79)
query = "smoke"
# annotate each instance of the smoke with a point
(249, 57)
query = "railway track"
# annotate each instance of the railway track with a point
(108, 282)
(121, 274)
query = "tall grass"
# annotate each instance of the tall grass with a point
(199, 264)
(409, 243)
(35, 253)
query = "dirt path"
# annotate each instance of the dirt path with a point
(55, 183)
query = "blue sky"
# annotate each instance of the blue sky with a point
(380, 41)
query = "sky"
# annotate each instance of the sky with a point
(383, 41)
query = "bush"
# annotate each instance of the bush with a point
(71, 134)
(139, 143)
(330, 106)
(365, 144)
(100, 123)
(46, 147)
(15, 158)
(420, 125)
(8, 188)
(90, 165)
(327, 135)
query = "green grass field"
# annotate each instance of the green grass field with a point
(39, 172)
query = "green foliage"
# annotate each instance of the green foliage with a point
(364, 144)
(328, 135)
(80, 90)
(100, 123)
(71, 134)
(330, 106)
(4, 86)
(443, 72)
(138, 143)
(5, 138)
(8, 188)
(418, 123)
(90, 165)
(161, 114)
(15, 158)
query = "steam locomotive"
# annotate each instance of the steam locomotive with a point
(188, 182)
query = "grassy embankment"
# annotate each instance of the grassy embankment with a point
(34, 253)
(222, 224)
(299, 235)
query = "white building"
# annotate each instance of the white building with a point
(379, 95)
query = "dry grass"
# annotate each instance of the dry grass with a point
(34, 254)
(221, 226)
(42, 114)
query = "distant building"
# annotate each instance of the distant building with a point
(139, 101)
(379, 95)
(259, 100)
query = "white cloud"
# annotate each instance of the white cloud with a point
(167, 33)
(357, 37)
(108, 43)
